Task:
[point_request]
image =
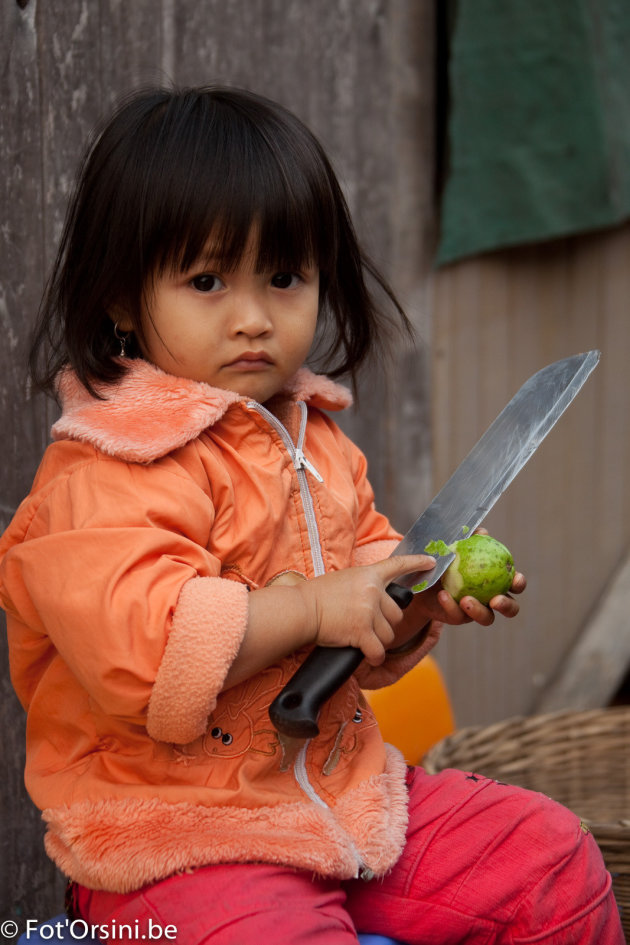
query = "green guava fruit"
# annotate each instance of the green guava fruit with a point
(482, 568)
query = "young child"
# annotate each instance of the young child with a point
(197, 525)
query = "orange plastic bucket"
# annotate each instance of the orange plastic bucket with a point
(415, 712)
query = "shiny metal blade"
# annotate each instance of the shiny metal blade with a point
(494, 461)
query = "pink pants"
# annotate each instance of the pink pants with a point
(484, 863)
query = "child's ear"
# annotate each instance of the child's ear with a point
(120, 318)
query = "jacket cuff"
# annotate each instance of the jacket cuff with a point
(209, 623)
(393, 669)
(373, 551)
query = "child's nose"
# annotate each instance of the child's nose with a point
(251, 315)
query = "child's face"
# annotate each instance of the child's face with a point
(241, 330)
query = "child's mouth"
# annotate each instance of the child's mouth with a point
(251, 361)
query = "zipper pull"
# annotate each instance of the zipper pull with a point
(301, 462)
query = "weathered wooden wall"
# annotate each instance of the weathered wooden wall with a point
(496, 320)
(360, 73)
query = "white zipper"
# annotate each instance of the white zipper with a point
(301, 465)
(301, 776)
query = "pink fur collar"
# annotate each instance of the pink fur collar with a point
(150, 413)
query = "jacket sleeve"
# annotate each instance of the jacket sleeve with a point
(113, 570)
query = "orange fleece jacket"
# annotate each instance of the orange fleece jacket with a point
(125, 577)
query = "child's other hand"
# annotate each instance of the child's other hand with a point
(437, 604)
(352, 608)
(503, 604)
(469, 609)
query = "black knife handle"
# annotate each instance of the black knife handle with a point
(402, 595)
(295, 710)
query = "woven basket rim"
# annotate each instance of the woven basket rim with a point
(582, 722)
(580, 758)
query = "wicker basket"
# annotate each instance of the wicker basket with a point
(581, 759)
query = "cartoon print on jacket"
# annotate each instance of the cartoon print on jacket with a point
(240, 725)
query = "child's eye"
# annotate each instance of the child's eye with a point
(206, 283)
(285, 280)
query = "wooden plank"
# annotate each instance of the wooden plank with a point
(596, 666)
(28, 880)
(132, 50)
(21, 251)
(407, 160)
(613, 508)
(67, 52)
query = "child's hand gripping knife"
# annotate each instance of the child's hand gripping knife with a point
(350, 615)
(347, 608)
(415, 629)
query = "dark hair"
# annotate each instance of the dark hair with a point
(170, 168)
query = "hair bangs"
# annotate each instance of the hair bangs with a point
(225, 175)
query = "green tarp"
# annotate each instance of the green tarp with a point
(538, 122)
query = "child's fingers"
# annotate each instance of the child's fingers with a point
(501, 604)
(452, 612)
(518, 584)
(505, 605)
(374, 645)
(467, 610)
(391, 568)
(476, 611)
(390, 610)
